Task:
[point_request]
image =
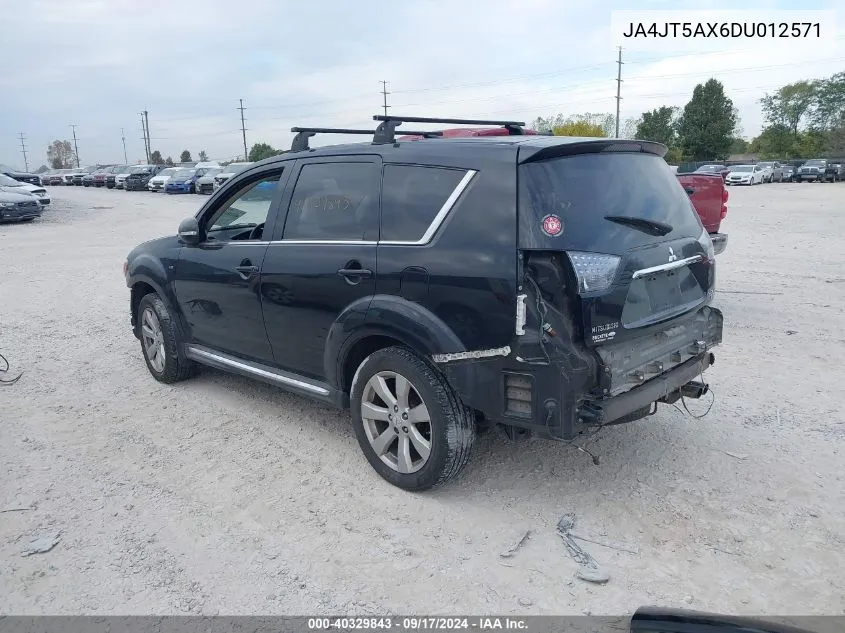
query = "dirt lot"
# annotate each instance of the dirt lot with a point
(221, 495)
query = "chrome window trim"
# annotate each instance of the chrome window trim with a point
(429, 234)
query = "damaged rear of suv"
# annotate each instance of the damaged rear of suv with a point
(617, 274)
(435, 285)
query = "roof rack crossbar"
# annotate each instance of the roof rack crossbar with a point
(389, 122)
(300, 141)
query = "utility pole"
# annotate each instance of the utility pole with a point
(23, 149)
(144, 137)
(384, 93)
(243, 127)
(618, 90)
(123, 138)
(149, 140)
(75, 146)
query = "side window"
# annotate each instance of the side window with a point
(411, 197)
(334, 201)
(243, 214)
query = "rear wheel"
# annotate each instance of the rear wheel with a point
(411, 425)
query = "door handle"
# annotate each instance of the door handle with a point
(689, 190)
(355, 272)
(246, 271)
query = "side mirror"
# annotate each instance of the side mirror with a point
(189, 231)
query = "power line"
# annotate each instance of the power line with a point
(618, 90)
(75, 146)
(23, 151)
(243, 127)
(384, 93)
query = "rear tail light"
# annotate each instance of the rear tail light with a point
(594, 271)
(724, 204)
(518, 395)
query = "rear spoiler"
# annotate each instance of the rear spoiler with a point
(568, 146)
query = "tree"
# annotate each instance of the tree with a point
(775, 141)
(738, 145)
(185, 157)
(168, 161)
(789, 104)
(579, 128)
(829, 109)
(60, 155)
(659, 125)
(707, 125)
(156, 159)
(260, 151)
(203, 156)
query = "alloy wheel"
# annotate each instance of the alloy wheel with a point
(397, 422)
(153, 339)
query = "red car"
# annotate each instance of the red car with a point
(709, 196)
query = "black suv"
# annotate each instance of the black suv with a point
(139, 177)
(552, 284)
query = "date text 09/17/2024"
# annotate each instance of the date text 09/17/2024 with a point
(777, 30)
(416, 623)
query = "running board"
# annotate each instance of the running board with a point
(289, 381)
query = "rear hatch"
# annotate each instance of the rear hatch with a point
(639, 257)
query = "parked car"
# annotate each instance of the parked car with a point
(772, 171)
(122, 174)
(98, 178)
(158, 182)
(709, 195)
(10, 185)
(788, 173)
(816, 169)
(839, 173)
(208, 164)
(228, 171)
(714, 169)
(139, 178)
(182, 181)
(111, 175)
(79, 175)
(377, 276)
(205, 183)
(745, 175)
(69, 175)
(22, 176)
(18, 207)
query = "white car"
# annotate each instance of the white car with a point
(157, 183)
(228, 171)
(745, 175)
(11, 185)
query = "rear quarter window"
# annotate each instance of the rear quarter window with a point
(411, 197)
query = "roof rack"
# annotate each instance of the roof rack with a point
(300, 141)
(386, 131)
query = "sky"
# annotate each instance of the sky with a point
(98, 64)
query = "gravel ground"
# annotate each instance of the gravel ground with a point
(220, 495)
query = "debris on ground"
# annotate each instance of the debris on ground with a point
(42, 545)
(589, 570)
(622, 547)
(739, 456)
(515, 547)
(16, 509)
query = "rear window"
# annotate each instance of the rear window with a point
(411, 197)
(581, 190)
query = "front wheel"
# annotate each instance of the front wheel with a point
(410, 423)
(161, 341)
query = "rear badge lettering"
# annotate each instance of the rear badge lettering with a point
(552, 225)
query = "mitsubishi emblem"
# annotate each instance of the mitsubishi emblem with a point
(672, 256)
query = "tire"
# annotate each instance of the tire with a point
(449, 430)
(175, 366)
